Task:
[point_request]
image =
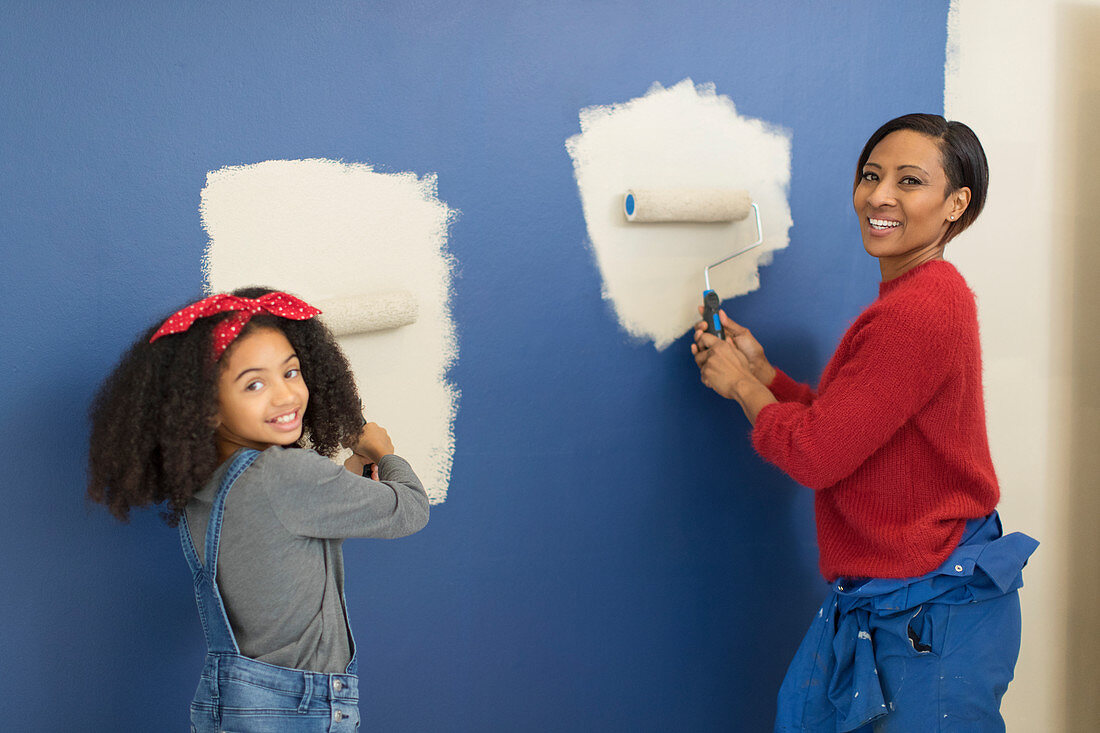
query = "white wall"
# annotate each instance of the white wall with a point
(1005, 74)
(1076, 189)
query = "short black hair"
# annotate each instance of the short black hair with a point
(961, 155)
(152, 439)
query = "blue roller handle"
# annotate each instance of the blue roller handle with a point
(711, 303)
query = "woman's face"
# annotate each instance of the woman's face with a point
(901, 200)
(261, 394)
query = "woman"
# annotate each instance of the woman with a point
(921, 628)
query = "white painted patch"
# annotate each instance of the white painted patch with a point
(324, 229)
(999, 53)
(686, 136)
(864, 635)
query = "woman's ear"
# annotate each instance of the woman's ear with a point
(959, 199)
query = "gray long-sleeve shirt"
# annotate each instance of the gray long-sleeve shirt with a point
(281, 562)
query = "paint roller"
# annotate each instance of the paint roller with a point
(380, 311)
(367, 313)
(707, 205)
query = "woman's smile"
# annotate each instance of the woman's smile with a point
(882, 226)
(903, 202)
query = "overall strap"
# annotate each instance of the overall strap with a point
(243, 460)
(215, 622)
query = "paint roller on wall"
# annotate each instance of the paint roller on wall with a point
(706, 205)
(368, 313)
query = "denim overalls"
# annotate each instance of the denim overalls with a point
(241, 695)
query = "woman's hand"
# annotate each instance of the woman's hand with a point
(722, 366)
(746, 343)
(725, 368)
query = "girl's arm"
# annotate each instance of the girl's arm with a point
(314, 497)
(368, 448)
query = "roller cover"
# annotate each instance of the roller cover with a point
(686, 204)
(365, 313)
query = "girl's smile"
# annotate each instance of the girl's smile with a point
(262, 396)
(287, 421)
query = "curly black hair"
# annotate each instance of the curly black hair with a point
(152, 439)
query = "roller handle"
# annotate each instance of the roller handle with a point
(711, 303)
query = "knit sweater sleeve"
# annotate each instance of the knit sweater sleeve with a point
(785, 389)
(892, 361)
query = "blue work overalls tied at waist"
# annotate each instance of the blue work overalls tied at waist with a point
(877, 639)
(236, 693)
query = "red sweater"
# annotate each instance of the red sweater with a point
(894, 439)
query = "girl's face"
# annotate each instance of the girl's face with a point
(901, 201)
(261, 394)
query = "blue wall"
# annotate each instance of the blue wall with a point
(612, 555)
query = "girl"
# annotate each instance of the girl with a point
(921, 628)
(226, 394)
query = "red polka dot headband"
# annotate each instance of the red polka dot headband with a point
(277, 304)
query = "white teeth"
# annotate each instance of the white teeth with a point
(883, 223)
(285, 418)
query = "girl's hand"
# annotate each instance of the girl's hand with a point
(722, 366)
(357, 464)
(744, 341)
(373, 442)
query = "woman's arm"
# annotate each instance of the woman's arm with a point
(891, 368)
(786, 389)
(725, 369)
(782, 386)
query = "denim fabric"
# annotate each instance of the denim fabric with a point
(241, 695)
(933, 653)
